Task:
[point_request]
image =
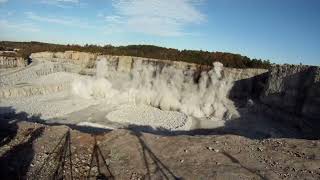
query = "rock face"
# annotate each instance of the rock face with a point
(295, 91)
(30, 90)
(34, 71)
(10, 62)
(247, 81)
(248, 84)
(124, 63)
(79, 58)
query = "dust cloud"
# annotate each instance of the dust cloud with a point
(167, 88)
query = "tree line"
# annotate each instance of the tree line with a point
(148, 51)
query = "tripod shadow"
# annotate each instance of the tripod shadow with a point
(166, 173)
(61, 154)
(103, 173)
(234, 160)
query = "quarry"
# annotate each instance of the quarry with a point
(269, 118)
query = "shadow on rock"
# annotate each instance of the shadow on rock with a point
(235, 160)
(8, 123)
(15, 163)
(103, 169)
(60, 155)
(164, 171)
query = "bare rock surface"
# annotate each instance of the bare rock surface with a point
(11, 62)
(294, 92)
(36, 151)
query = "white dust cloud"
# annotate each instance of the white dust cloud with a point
(167, 88)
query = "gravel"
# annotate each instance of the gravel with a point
(149, 116)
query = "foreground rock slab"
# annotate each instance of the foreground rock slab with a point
(36, 151)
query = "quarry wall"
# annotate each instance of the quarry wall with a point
(31, 90)
(292, 88)
(10, 62)
(293, 93)
(248, 82)
(35, 71)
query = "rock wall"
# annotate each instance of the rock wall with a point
(126, 63)
(11, 62)
(31, 90)
(248, 83)
(294, 92)
(79, 58)
(35, 71)
(122, 63)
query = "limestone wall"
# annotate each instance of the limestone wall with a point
(22, 91)
(125, 63)
(10, 62)
(247, 81)
(35, 71)
(294, 90)
(79, 58)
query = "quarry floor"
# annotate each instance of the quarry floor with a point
(36, 151)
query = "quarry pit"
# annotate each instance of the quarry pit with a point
(77, 115)
(161, 96)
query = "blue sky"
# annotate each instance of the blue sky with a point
(284, 31)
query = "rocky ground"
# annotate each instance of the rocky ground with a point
(36, 151)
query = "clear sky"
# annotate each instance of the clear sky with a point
(284, 31)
